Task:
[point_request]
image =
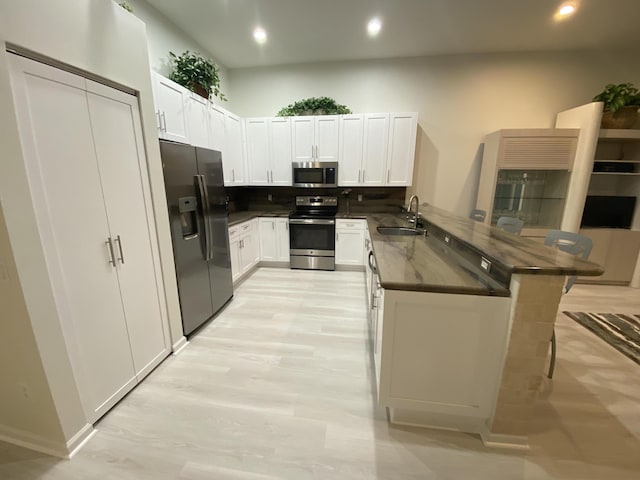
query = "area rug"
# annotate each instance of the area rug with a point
(621, 331)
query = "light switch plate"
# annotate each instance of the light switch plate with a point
(485, 264)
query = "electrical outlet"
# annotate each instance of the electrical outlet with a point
(24, 390)
(359, 197)
(447, 239)
(270, 197)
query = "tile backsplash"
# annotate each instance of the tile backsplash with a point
(373, 199)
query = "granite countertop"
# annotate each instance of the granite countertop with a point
(517, 254)
(419, 263)
(239, 217)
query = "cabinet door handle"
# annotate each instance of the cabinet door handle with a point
(363, 175)
(159, 120)
(120, 249)
(233, 175)
(388, 174)
(312, 156)
(109, 244)
(164, 122)
(273, 226)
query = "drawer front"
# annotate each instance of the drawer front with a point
(345, 224)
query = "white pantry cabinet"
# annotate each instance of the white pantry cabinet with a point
(274, 239)
(268, 142)
(315, 138)
(350, 151)
(85, 160)
(244, 247)
(171, 105)
(350, 242)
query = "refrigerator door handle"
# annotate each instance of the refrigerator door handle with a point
(204, 201)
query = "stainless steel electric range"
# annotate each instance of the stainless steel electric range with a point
(312, 233)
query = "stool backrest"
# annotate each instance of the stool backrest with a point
(478, 215)
(510, 224)
(570, 242)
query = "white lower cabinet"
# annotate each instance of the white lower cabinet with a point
(244, 247)
(85, 159)
(274, 239)
(350, 242)
(420, 376)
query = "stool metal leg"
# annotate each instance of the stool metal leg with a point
(552, 365)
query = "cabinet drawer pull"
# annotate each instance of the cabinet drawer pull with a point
(120, 249)
(109, 245)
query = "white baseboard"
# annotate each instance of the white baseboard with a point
(44, 445)
(500, 440)
(179, 345)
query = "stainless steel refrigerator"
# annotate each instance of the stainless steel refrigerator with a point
(198, 214)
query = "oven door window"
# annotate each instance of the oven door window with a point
(308, 175)
(312, 237)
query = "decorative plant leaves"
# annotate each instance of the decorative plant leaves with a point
(191, 68)
(313, 106)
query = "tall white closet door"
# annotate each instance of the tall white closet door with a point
(117, 134)
(55, 131)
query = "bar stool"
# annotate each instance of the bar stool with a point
(575, 244)
(510, 224)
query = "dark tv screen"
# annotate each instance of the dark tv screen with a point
(608, 211)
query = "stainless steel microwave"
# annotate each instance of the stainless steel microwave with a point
(315, 174)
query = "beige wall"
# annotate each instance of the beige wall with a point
(163, 37)
(25, 399)
(460, 98)
(102, 38)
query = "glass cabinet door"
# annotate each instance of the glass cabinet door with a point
(535, 196)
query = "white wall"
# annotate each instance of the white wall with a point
(164, 37)
(99, 37)
(460, 98)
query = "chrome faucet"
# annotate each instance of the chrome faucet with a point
(416, 213)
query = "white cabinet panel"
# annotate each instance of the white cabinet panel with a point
(234, 150)
(402, 146)
(170, 109)
(351, 148)
(350, 242)
(268, 242)
(303, 133)
(282, 239)
(326, 135)
(280, 151)
(197, 113)
(258, 160)
(376, 129)
(216, 131)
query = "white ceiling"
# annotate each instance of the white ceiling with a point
(327, 30)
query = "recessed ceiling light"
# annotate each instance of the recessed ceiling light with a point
(260, 35)
(374, 26)
(567, 9)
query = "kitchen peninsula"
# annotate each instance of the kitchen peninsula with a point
(463, 322)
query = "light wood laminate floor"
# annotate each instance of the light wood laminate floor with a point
(279, 386)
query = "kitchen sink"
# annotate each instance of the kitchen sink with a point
(383, 230)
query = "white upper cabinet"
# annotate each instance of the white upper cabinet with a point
(233, 156)
(351, 147)
(315, 138)
(171, 104)
(280, 150)
(197, 113)
(268, 143)
(376, 130)
(257, 138)
(216, 129)
(403, 128)
(377, 149)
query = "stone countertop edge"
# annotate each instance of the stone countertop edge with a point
(517, 254)
(239, 217)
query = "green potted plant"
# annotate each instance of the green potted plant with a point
(198, 74)
(621, 103)
(313, 106)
